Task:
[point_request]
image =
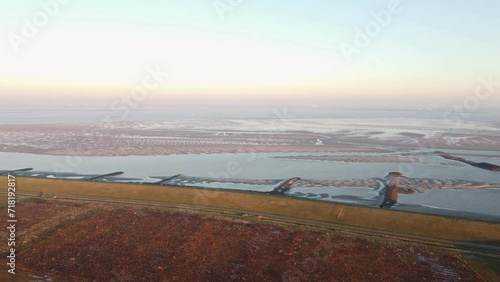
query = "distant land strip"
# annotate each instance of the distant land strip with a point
(482, 165)
(357, 159)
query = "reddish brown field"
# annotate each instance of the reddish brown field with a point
(90, 242)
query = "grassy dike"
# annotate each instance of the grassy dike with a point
(374, 218)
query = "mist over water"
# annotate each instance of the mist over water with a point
(40, 116)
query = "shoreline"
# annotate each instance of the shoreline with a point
(351, 215)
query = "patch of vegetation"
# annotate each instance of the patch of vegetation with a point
(357, 216)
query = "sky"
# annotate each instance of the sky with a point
(314, 53)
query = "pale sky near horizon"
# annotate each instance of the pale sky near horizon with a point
(430, 53)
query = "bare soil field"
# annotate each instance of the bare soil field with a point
(93, 242)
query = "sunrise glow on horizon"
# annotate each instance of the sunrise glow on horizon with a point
(252, 50)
